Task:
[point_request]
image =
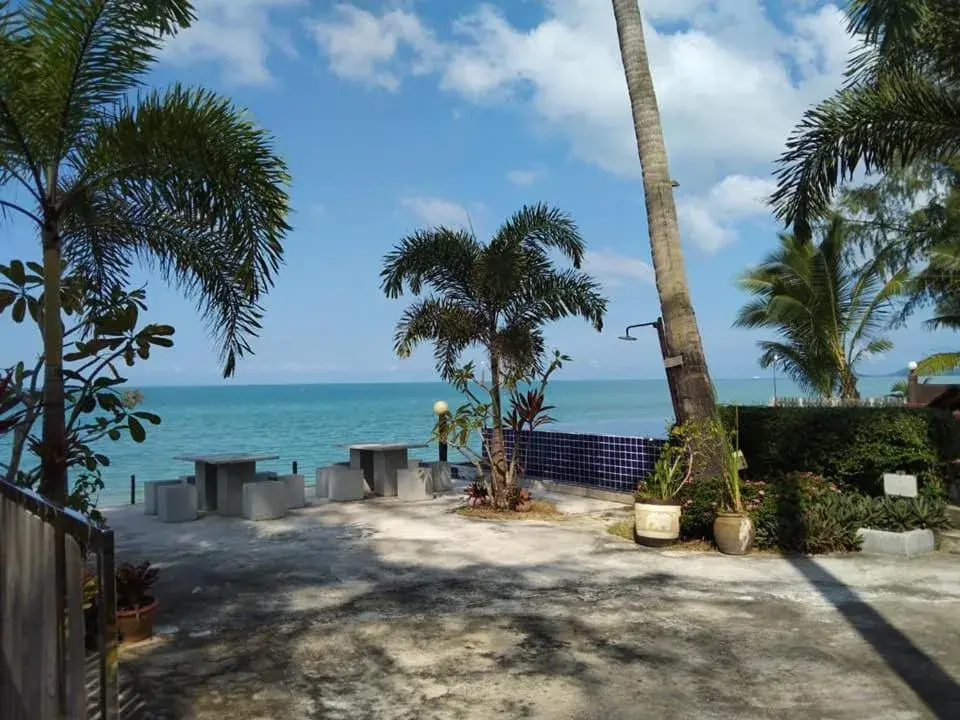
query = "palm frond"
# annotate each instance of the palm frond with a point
(901, 119)
(944, 363)
(441, 258)
(541, 227)
(451, 327)
(187, 180)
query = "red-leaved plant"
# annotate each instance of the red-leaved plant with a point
(134, 583)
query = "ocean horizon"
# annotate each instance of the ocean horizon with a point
(307, 423)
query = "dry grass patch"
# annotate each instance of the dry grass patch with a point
(541, 510)
(623, 529)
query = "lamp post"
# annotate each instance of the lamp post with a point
(776, 359)
(442, 410)
(912, 382)
(669, 361)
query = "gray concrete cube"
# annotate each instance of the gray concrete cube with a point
(344, 484)
(266, 475)
(322, 481)
(177, 502)
(441, 478)
(414, 484)
(296, 490)
(150, 494)
(266, 500)
(904, 544)
(413, 463)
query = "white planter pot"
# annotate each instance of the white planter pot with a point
(656, 524)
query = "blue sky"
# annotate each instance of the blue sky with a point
(398, 114)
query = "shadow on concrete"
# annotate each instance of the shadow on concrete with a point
(931, 683)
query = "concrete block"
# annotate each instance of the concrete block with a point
(177, 502)
(950, 541)
(188, 479)
(414, 484)
(266, 475)
(441, 479)
(296, 490)
(230, 482)
(265, 500)
(900, 485)
(150, 494)
(904, 544)
(413, 463)
(344, 484)
(953, 515)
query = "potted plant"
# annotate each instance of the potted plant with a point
(733, 528)
(135, 605)
(656, 511)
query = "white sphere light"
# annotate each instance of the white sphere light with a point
(912, 365)
(440, 407)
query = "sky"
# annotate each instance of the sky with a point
(394, 115)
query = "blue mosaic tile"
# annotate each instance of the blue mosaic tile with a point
(608, 462)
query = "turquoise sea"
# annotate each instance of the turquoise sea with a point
(306, 423)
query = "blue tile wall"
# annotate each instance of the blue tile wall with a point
(605, 462)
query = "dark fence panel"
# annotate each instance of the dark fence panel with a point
(604, 462)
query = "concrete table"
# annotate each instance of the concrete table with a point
(380, 462)
(220, 479)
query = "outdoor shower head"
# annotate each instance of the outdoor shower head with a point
(629, 338)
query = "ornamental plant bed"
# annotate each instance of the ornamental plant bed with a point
(539, 510)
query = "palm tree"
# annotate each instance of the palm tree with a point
(179, 179)
(496, 296)
(828, 312)
(939, 281)
(689, 382)
(901, 105)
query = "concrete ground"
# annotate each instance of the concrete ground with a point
(380, 609)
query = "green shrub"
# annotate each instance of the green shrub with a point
(898, 514)
(853, 446)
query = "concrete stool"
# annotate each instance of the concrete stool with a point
(150, 494)
(344, 484)
(296, 490)
(188, 479)
(266, 475)
(177, 502)
(412, 463)
(441, 477)
(266, 500)
(414, 484)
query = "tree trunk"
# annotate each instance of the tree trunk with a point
(498, 448)
(53, 479)
(690, 380)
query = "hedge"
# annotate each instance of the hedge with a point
(852, 446)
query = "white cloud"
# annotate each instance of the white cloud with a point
(611, 268)
(237, 35)
(731, 82)
(367, 47)
(435, 211)
(709, 219)
(524, 177)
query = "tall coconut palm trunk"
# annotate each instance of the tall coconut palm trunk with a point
(690, 381)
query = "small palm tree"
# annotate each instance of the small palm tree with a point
(179, 179)
(829, 313)
(901, 105)
(496, 296)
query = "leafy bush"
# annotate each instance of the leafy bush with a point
(854, 446)
(898, 514)
(801, 512)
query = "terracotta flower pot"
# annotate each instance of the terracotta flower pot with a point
(136, 625)
(656, 525)
(734, 533)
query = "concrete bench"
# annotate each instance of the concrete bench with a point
(296, 490)
(177, 502)
(265, 500)
(441, 477)
(414, 484)
(150, 494)
(339, 483)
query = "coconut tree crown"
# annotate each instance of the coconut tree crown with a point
(497, 295)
